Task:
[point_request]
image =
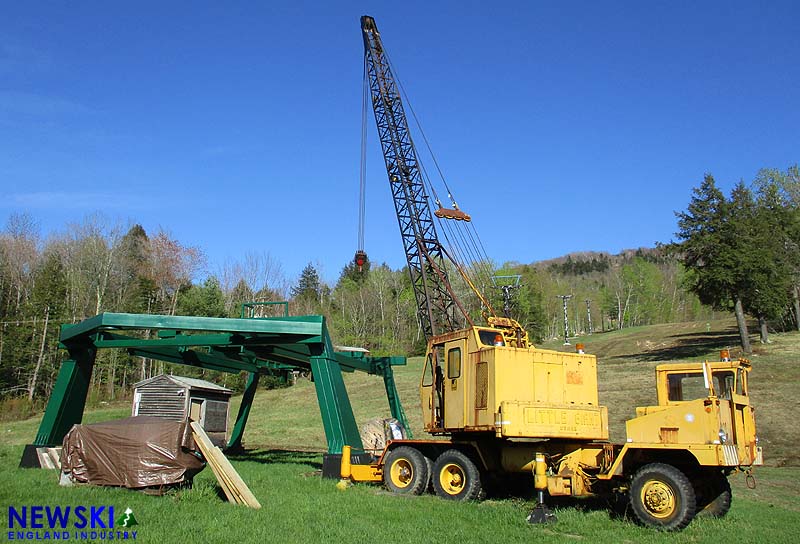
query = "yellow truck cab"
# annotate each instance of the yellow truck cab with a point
(704, 407)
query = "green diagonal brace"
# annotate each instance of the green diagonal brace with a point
(235, 442)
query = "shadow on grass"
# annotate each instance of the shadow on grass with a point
(270, 456)
(616, 507)
(687, 345)
(519, 486)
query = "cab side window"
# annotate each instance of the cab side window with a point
(427, 375)
(454, 363)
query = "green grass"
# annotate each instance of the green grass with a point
(285, 438)
(299, 506)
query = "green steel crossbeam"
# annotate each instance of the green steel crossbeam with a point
(310, 325)
(194, 358)
(107, 339)
(256, 346)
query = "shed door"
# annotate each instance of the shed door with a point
(196, 410)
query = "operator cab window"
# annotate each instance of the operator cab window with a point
(691, 386)
(490, 338)
(427, 374)
(726, 385)
(435, 358)
(741, 388)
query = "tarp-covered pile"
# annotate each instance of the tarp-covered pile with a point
(136, 452)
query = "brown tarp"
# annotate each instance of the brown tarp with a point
(134, 452)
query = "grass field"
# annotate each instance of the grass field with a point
(285, 441)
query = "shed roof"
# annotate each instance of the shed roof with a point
(191, 383)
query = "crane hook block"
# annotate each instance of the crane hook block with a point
(446, 213)
(360, 259)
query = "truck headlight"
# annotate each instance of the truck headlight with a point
(723, 436)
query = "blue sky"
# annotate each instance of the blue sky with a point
(561, 126)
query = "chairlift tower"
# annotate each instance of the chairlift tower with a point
(589, 314)
(506, 284)
(564, 299)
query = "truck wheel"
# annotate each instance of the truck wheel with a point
(456, 477)
(406, 471)
(713, 495)
(662, 496)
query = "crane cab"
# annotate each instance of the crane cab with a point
(475, 381)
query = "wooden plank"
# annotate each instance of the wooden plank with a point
(226, 480)
(222, 468)
(233, 485)
(45, 461)
(55, 456)
(49, 457)
(238, 483)
(206, 448)
(220, 477)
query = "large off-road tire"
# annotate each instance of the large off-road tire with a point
(406, 471)
(662, 497)
(713, 491)
(456, 477)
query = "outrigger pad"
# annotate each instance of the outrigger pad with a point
(541, 514)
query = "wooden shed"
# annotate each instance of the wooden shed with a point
(178, 397)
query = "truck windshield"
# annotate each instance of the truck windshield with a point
(691, 386)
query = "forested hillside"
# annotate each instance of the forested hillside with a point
(734, 254)
(96, 267)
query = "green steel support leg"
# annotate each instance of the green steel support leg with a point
(334, 406)
(235, 443)
(334, 403)
(394, 399)
(65, 407)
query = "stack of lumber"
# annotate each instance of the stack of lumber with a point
(232, 484)
(49, 457)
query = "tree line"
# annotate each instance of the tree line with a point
(741, 252)
(734, 254)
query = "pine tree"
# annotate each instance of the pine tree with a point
(779, 197)
(308, 287)
(774, 259)
(714, 232)
(204, 300)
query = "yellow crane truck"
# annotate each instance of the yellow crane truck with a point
(504, 409)
(496, 405)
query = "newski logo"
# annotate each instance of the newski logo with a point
(39, 517)
(69, 522)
